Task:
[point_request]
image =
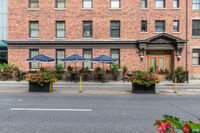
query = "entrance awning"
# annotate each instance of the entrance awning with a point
(3, 46)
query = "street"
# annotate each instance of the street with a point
(91, 113)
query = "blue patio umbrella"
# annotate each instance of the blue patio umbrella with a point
(73, 58)
(41, 58)
(103, 59)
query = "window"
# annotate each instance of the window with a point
(60, 54)
(144, 26)
(87, 53)
(195, 27)
(176, 26)
(33, 29)
(160, 3)
(87, 4)
(33, 3)
(160, 26)
(32, 53)
(60, 4)
(87, 29)
(143, 3)
(175, 3)
(196, 4)
(115, 55)
(196, 57)
(115, 29)
(60, 29)
(115, 3)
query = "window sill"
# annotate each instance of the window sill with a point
(87, 9)
(195, 10)
(33, 38)
(60, 39)
(177, 8)
(60, 9)
(176, 32)
(195, 37)
(195, 65)
(143, 32)
(33, 9)
(144, 8)
(115, 9)
(159, 8)
(87, 38)
(114, 39)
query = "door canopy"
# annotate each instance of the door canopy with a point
(161, 41)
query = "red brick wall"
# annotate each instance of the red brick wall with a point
(130, 16)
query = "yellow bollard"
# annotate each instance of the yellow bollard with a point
(175, 83)
(81, 85)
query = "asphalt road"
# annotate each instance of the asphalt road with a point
(82, 113)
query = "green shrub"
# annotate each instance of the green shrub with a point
(115, 71)
(8, 68)
(180, 74)
(59, 71)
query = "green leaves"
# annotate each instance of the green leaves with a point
(177, 125)
(174, 120)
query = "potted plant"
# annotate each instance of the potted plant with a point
(7, 71)
(125, 70)
(41, 81)
(85, 73)
(115, 71)
(98, 74)
(144, 82)
(170, 124)
(180, 74)
(59, 71)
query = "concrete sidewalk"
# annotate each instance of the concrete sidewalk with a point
(114, 87)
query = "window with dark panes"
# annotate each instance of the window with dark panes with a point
(143, 3)
(176, 26)
(196, 57)
(60, 29)
(160, 3)
(87, 29)
(160, 26)
(196, 4)
(33, 3)
(60, 54)
(33, 29)
(144, 26)
(115, 55)
(33, 53)
(175, 3)
(87, 53)
(195, 27)
(60, 3)
(87, 4)
(115, 3)
(115, 29)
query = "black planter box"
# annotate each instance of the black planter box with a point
(34, 87)
(144, 89)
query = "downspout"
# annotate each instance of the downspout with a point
(187, 41)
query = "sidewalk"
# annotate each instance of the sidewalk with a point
(113, 87)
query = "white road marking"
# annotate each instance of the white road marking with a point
(40, 109)
(19, 100)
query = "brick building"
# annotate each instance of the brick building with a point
(137, 33)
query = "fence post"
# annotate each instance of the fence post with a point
(175, 85)
(81, 85)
